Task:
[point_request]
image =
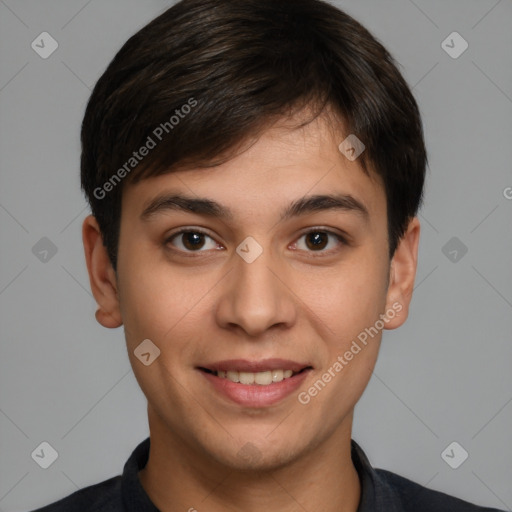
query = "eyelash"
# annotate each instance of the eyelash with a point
(321, 253)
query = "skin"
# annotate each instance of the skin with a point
(211, 305)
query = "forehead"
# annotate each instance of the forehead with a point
(279, 166)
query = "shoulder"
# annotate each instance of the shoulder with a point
(414, 496)
(101, 497)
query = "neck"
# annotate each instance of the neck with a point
(178, 478)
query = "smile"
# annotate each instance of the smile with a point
(255, 384)
(260, 378)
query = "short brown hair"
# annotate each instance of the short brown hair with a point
(238, 65)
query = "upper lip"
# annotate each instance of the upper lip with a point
(245, 365)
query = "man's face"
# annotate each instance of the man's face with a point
(232, 292)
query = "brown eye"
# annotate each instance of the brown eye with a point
(316, 240)
(191, 241)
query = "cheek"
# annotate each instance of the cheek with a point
(347, 299)
(162, 304)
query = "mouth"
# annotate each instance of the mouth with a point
(255, 383)
(263, 378)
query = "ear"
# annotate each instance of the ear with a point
(402, 275)
(102, 276)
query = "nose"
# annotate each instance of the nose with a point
(256, 296)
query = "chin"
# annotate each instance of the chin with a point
(252, 455)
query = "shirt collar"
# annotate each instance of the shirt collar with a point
(376, 494)
(133, 494)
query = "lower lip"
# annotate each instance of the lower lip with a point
(255, 395)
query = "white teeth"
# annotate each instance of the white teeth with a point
(260, 378)
(232, 376)
(246, 378)
(277, 375)
(263, 378)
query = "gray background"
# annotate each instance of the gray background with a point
(444, 376)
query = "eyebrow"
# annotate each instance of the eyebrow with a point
(210, 208)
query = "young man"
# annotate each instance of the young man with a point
(254, 169)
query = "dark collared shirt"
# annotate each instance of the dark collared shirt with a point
(381, 491)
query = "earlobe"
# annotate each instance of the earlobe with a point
(402, 276)
(102, 276)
